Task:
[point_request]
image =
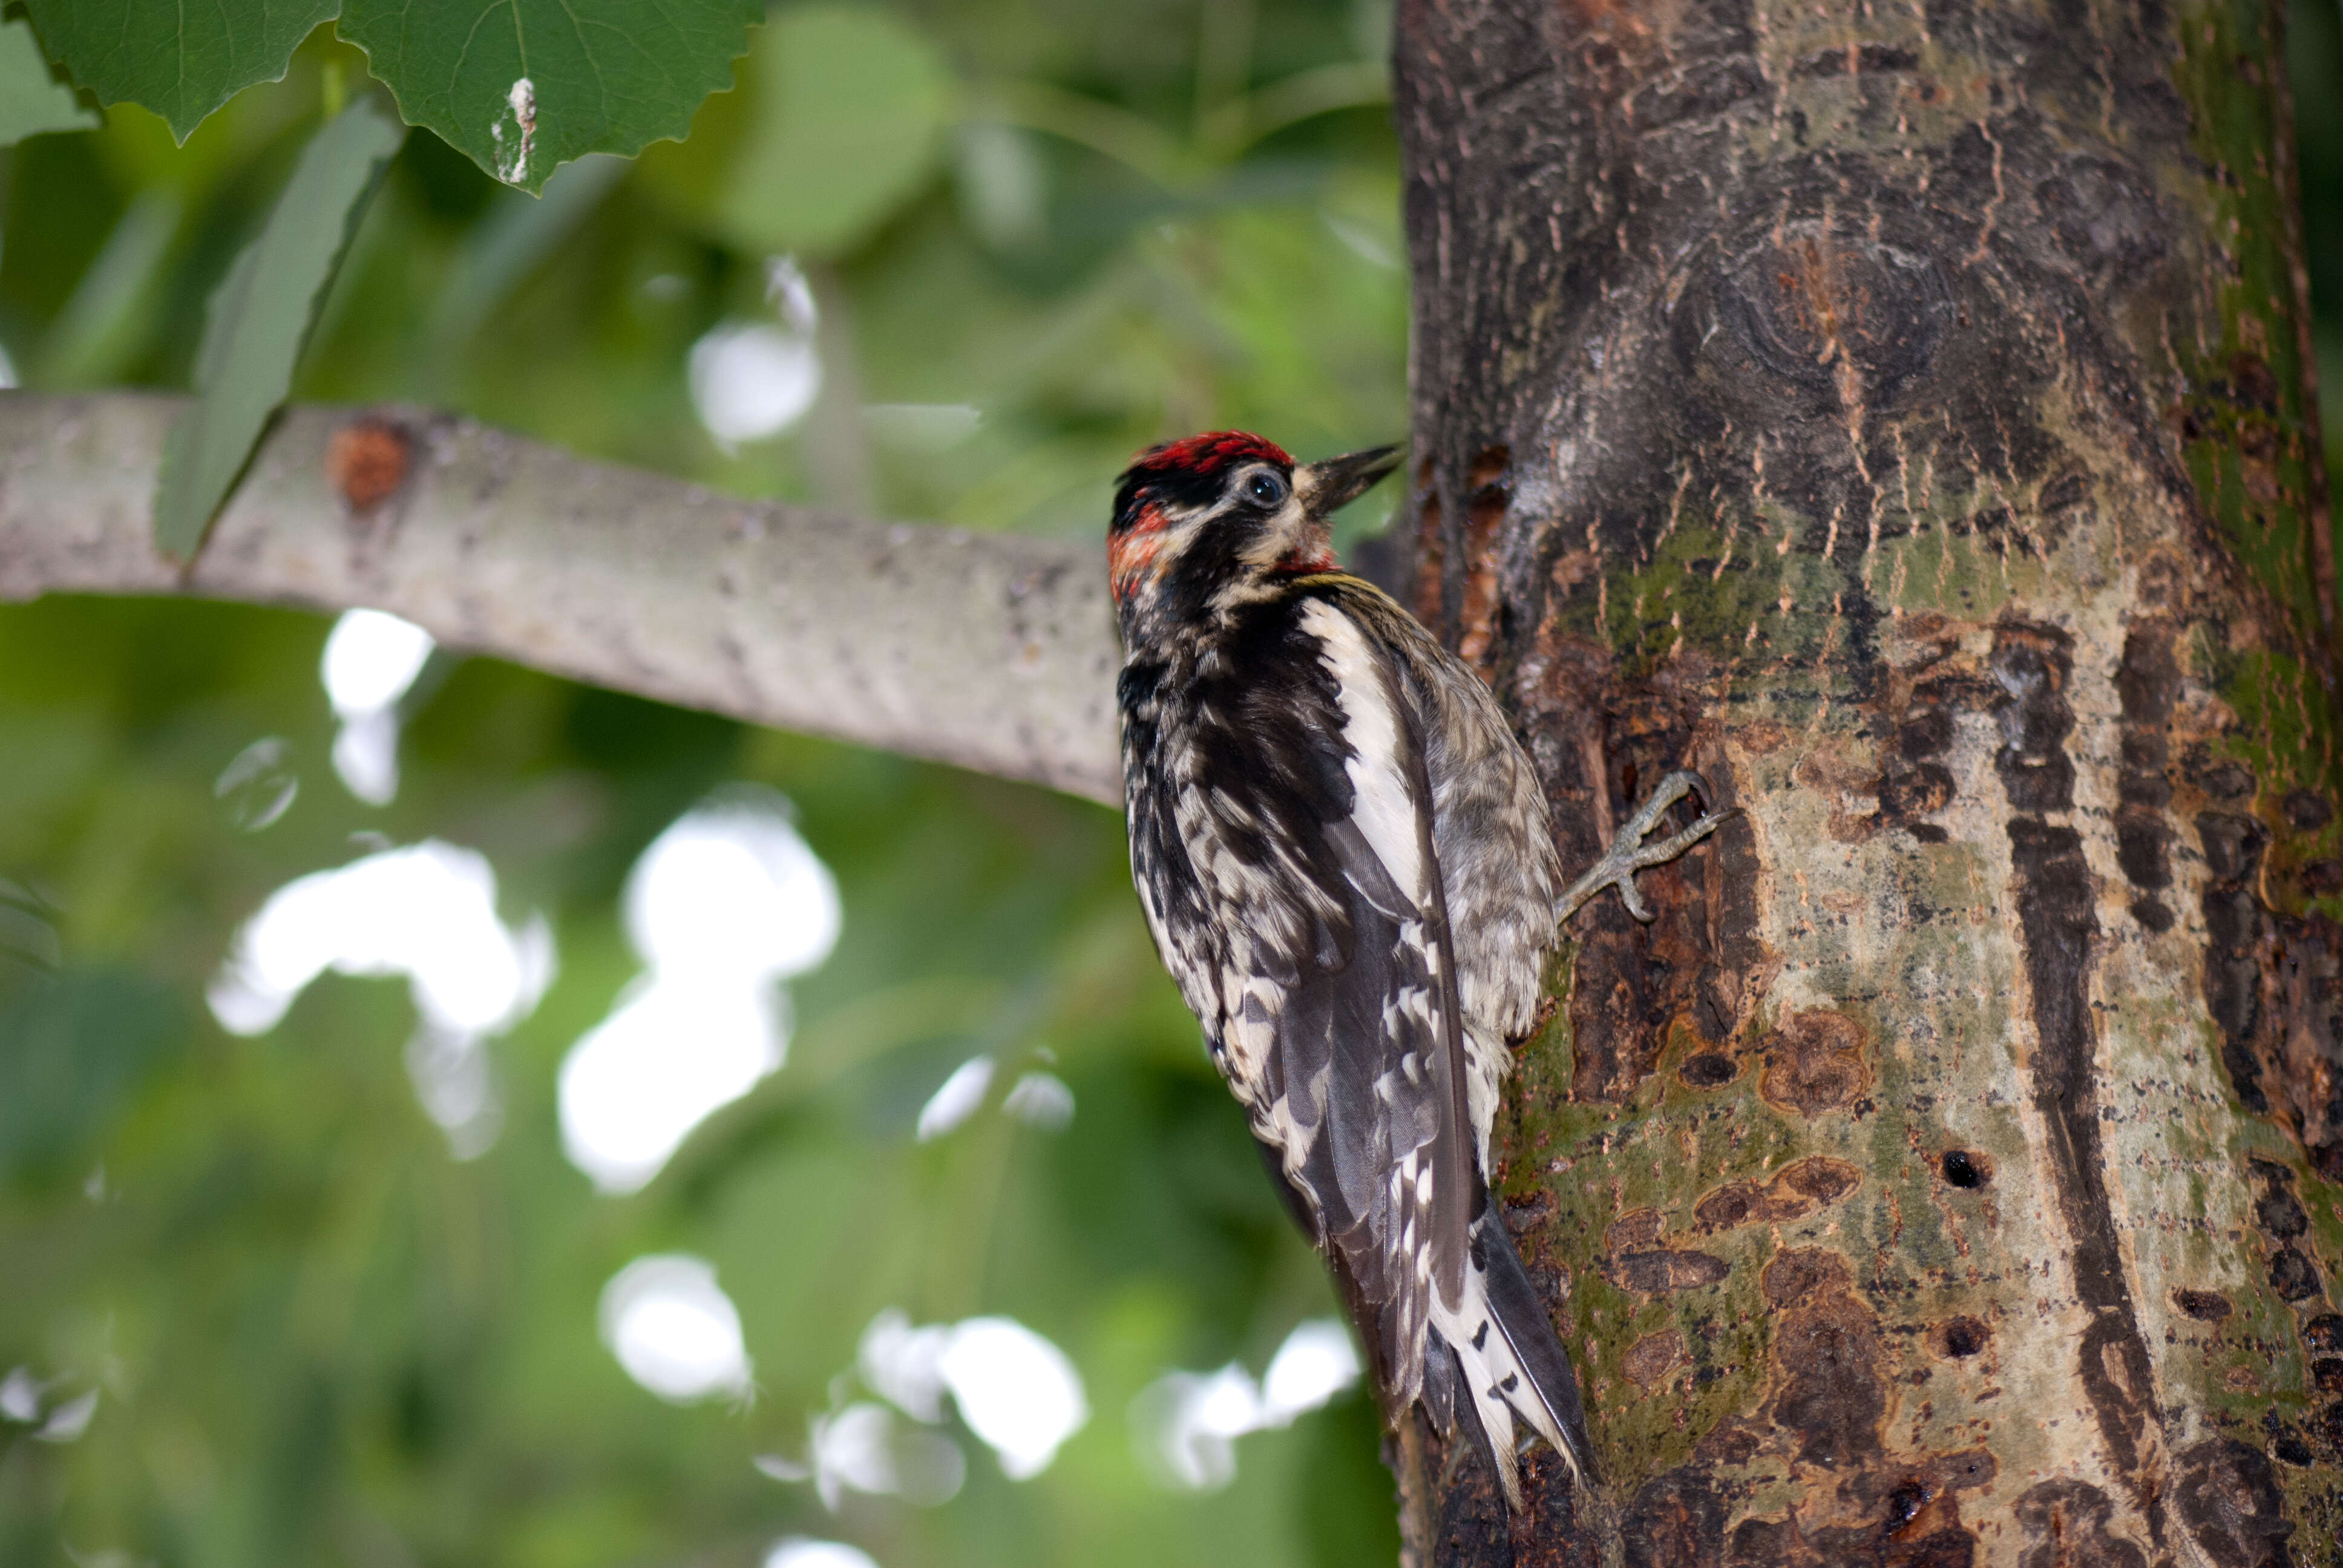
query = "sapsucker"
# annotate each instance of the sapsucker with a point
(1346, 861)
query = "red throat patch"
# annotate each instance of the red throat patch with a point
(1315, 554)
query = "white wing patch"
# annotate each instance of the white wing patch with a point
(1386, 810)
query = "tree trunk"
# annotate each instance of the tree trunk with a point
(1902, 415)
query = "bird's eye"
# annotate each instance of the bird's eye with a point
(1266, 489)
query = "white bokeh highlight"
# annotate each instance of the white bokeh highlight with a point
(799, 1552)
(1186, 1425)
(1038, 1099)
(752, 379)
(426, 912)
(723, 907)
(956, 1100)
(673, 1329)
(1317, 1362)
(1016, 1391)
(866, 1447)
(371, 660)
(27, 1400)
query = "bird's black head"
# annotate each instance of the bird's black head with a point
(1205, 525)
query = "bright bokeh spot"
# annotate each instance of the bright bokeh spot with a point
(797, 1552)
(634, 1086)
(674, 1329)
(427, 911)
(721, 908)
(731, 889)
(1040, 1100)
(371, 659)
(752, 379)
(1015, 1390)
(1187, 1424)
(905, 1364)
(956, 1099)
(865, 1448)
(1317, 1362)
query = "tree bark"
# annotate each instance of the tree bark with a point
(992, 652)
(1902, 413)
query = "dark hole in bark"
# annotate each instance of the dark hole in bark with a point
(1709, 1070)
(2205, 1306)
(2293, 1276)
(2217, 779)
(2326, 1371)
(2292, 1450)
(1926, 734)
(2227, 781)
(2323, 877)
(2279, 1213)
(1963, 1337)
(2324, 1333)
(1963, 1169)
(2308, 810)
(1903, 1504)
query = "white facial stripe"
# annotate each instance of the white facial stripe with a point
(1281, 535)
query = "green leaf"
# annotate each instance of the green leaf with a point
(260, 318)
(850, 105)
(32, 103)
(524, 87)
(179, 60)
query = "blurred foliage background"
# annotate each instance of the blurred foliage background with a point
(1008, 243)
(945, 262)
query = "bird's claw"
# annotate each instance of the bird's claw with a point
(1629, 854)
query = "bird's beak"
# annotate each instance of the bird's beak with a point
(1327, 487)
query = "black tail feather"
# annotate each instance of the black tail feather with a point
(1442, 1369)
(1515, 1302)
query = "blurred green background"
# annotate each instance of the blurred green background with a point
(951, 263)
(1022, 238)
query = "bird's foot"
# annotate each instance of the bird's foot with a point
(1629, 854)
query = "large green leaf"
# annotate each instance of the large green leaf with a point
(260, 318)
(182, 61)
(31, 101)
(524, 87)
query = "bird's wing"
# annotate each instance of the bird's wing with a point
(1289, 872)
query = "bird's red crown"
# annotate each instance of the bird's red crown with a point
(1215, 453)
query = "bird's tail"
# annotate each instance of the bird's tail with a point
(1512, 1367)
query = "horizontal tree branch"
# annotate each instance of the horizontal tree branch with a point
(992, 652)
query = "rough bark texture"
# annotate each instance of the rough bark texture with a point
(1900, 412)
(992, 652)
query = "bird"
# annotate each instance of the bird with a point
(1346, 862)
